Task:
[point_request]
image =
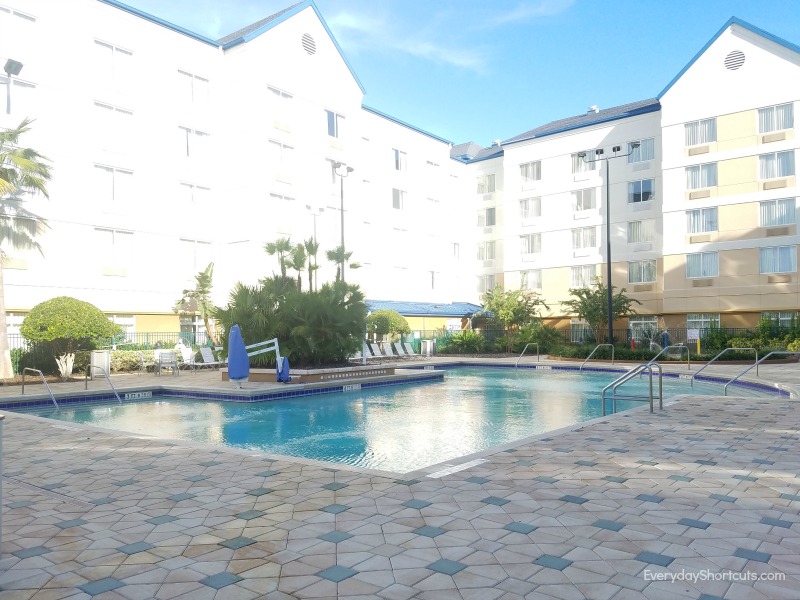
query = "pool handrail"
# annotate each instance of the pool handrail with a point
(720, 354)
(538, 358)
(688, 354)
(725, 389)
(108, 379)
(595, 350)
(44, 381)
(627, 376)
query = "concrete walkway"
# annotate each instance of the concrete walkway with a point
(698, 501)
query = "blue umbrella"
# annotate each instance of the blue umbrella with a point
(238, 362)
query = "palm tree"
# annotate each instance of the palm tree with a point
(312, 247)
(283, 248)
(340, 257)
(201, 295)
(298, 263)
(22, 170)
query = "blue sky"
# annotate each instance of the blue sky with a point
(482, 70)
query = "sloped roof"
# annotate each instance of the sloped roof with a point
(375, 111)
(245, 31)
(425, 309)
(590, 118)
(467, 150)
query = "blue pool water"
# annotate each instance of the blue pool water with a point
(399, 428)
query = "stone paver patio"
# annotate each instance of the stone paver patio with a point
(707, 492)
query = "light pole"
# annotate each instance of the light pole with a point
(598, 155)
(13, 67)
(342, 170)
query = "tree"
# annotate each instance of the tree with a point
(591, 305)
(283, 248)
(298, 263)
(22, 170)
(513, 309)
(199, 300)
(339, 257)
(68, 325)
(312, 247)
(383, 322)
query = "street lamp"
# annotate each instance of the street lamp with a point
(12, 67)
(598, 155)
(342, 170)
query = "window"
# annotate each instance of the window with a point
(776, 164)
(643, 328)
(702, 321)
(530, 280)
(580, 330)
(531, 243)
(279, 152)
(486, 217)
(193, 89)
(116, 248)
(193, 143)
(399, 160)
(530, 172)
(775, 118)
(431, 164)
(486, 251)
(195, 198)
(702, 264)
(195, 255)
(114, 127)
(486, 184)
(701, 132)
(584, 199)
(113, 64)
(579, 165)
(644, 152)
(641, 191)
(701, 176)
(398, 199)
(782, 319)
(22, 95)
(113, 187)
(530, 208)
(641, 231)
(334, 124)
(701, 220)
(456, 250)
(584, 237)
(778, 259)
(777, 212)
(486, 283)
(642, 271)
(582, 276)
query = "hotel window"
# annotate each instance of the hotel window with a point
(781, 318)
(584, 199)
(643, 328)
(23, 95)
(113, 187)
(531, 243)
(641, 231)
(701, 176)
(642, 153)
(579, 165)
(334, 123)
(582, 276)
(777, 212)
(193, 143)
(641, 191)
(530, 172)
(701, 220)
(642, 271)
(116, 249)
(580, 330)
(279, 152)
(486, 251)
(195, 255)
(530, 280)
(486, 184)
(279, 97)
(702, 264)
(114, 127)
(486, 283)
(584, 237)
(456, 250)
(398, 199)
(778, 259)
(194, 89)
(702, 320)
(399, 160)
(486, 217)
(195, 198)
(18, 30)
(775, 118)
(530, 208)
(113, 64)
(776, 164)
(701, 132)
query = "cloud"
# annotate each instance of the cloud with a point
(525, 11)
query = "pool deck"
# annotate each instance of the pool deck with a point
(706, 491)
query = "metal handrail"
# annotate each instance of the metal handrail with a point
(684, 346)
(595, 350)
(44, 381)
(538, 358)
(725, 389)
(720, 354)
(108, 379)
(638, 369)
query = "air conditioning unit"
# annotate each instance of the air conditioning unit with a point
(777, 231)
(488, 263)
(702, 282)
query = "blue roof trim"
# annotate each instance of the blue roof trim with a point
(425, 309)
(731, 21)
(161, 22)
(404, 124)
(287, 15)
(482, 158)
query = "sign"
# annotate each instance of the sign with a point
(692, 334)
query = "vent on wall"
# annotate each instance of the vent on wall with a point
(734, 60)
(309, 45)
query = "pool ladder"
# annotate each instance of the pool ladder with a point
(637, 370)
(44, 381)
(538, 358)
(596, 348)
(108, 379)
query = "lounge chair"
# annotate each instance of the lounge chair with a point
(410, 351)
(376, 351)
(167, 360)
(387, 350)
(145, 363)
(208, 359)
(398, 348)
(187, 358)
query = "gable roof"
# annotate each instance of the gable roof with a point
(425, 309)
(731, 22)
(161, 22)
(375, 111)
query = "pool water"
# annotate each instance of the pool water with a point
(397, 428)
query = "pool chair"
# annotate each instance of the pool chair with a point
(167, 360)
(410, 351)
(208, 359)
(376, 351)
(187, 358)
(387, 350)
(144, 363)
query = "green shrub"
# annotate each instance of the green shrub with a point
(463, 342)
(547, 337)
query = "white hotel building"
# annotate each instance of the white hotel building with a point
(171, 150)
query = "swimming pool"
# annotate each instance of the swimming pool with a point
(397, 429)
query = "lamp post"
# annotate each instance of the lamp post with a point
(598, 155)
(12, 67)
(342, 170)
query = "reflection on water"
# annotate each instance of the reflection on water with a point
(398, 429)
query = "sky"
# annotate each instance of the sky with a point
(485, 70)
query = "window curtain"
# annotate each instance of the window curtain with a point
(641, 231)
(702, 264)
(701, 220)
(701, 176)
(779, 259)
(701, 132)
(777, 212)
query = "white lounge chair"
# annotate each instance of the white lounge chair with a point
(167, 360)
(387, 350)
(145, 363)
(398, 347)
(410, 351)
(376, 351)
(208, 359)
